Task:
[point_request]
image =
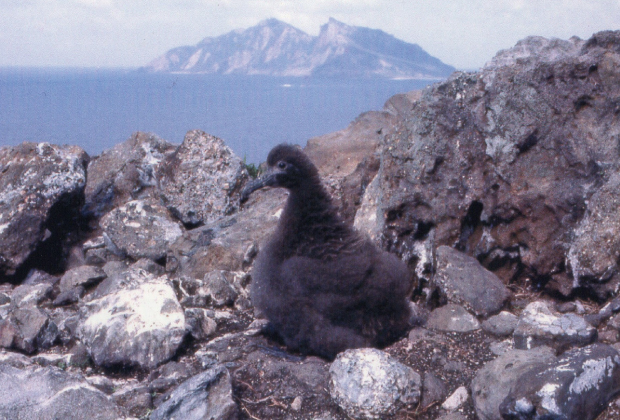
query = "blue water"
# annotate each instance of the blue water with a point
(97, 109)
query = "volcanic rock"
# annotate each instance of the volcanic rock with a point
(369, 384)
(464, 281)
(51, 393)
(452, 317)
(207, 395)
(200, 182)
(506, 163)
(140, 229)
(499, 377)
(579, 385)
(125, 172)
(35, 179)
(538, 325)
(133, 319)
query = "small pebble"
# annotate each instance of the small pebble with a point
(296, 404)
(456, 400)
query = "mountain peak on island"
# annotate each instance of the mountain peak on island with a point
(275, 48)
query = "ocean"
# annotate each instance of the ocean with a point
(97, 109)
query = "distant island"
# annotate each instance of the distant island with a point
(275, 48)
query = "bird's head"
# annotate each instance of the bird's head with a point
(287, 167)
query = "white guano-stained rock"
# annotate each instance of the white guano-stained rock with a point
(369, 384)
(578, 385)
(201, 180)
(140, 229)
(538, 325)
(136, 321)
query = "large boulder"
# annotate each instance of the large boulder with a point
(140, 229)
(207, 395)
(125, 172)
(201, 181)
(505, 164)
(37, 182)
(499, 377)
(132, 319)
(230, 243)
(369, 384)
(51, 393)
(579, 385)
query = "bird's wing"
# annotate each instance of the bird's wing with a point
(343, 275)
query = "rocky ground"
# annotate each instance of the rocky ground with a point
(124, 277)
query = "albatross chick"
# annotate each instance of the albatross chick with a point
(323, 286)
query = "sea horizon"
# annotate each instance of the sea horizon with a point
(97, 108)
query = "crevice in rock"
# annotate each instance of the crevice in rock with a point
(529, 142)
(66, 225)
(422, 230)
(583, 102)
(469, 224)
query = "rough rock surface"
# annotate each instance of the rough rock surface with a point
(35, 180)
(140, 229)
(207, 395)
(125, 172)
(134, 319)
(200, 182)
(368, 383)
(464, 281)
(538, 325)
(85, 276)
(576, 386)
(497, 378)
(230, 243)
(504, 162)
(595, 251)
(50, 393)
(502, 324)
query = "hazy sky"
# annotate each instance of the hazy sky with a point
(130, 33)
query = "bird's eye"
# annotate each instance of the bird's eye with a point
(281, 164)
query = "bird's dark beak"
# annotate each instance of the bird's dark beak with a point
(266, 180)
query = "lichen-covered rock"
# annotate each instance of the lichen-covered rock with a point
(538, 325)
(33, 179)
(579, 385)
(124, 172)
(464, 281)
(207, 395)
(51, 393)
(369, 384)
(132, 319)
(595, 251)
(502, 164)
(218, 289)
(140, 229)
(200, 182)
(499, 377)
